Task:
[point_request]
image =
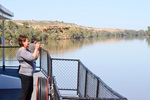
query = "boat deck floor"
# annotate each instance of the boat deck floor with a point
(13, 94)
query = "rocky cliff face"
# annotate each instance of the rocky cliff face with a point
(61, 29)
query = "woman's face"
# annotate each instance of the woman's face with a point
(26, 43)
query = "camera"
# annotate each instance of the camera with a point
(41, 44)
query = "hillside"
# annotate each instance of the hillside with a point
(45, 30)
(44, 25)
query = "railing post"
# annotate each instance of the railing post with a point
(85, 83)
(51, 70)
(97, 90)
(48, 73)
(78, 77)
(40, 58)
(3, 47)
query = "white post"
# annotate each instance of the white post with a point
(3, 46)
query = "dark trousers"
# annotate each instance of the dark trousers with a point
(27, 87)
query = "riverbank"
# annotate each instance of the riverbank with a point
(45, 30)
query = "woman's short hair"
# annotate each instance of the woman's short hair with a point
(21, 39)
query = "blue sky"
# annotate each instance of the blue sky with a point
(114, 14)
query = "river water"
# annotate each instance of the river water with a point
(123, 64)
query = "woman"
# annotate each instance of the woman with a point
(26, 60)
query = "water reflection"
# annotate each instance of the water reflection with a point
(63, 46)
(10, 53)
(148, 40)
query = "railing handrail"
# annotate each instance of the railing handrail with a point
(65, 59)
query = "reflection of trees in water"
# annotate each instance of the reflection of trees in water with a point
(62, 46)
(10, 53)
(148, 40)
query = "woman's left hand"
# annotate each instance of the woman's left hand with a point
(37, 46)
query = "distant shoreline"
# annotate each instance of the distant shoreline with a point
(45, 30)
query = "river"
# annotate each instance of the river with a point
(123, 64)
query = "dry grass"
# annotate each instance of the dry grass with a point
(43, 24)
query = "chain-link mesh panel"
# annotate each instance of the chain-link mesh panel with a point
(82, 74)
(10, 53)
(94, 86)
(44, 61)
(104, 92)
(10, 56)
(91, 85)
(65, 72)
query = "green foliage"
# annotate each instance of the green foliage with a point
(148, 32)
(25, 24)
(1, 33)
(12, 26)
(1, 25)
(13, 30)
(44, 36)
(8, 35)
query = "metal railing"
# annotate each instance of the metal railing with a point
(73, 75)
(73, 80)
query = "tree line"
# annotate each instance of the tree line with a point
(13, 30)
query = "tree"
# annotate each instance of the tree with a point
(26, 24)
(44, 36)
(8, 35)
(0, 32)
(148, 32)
(12, 26)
